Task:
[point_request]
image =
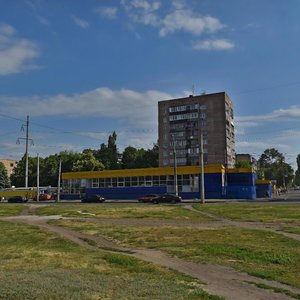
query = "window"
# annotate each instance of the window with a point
(95, 182)
(134, 181)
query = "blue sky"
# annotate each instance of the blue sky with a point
(81, 69)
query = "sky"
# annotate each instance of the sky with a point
(82, 69)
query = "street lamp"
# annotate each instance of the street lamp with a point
(175, 166)
(202, 169)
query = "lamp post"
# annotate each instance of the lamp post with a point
(175, 166)
(202, 169)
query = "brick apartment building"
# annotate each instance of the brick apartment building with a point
(182, 120)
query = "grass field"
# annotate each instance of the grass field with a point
(35, 264)
(10, 209)
(254, 212)
(122, 211)
(260, 253)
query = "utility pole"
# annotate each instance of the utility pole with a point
(38, 179)
(202, 169)
(27, 139)
(175, 166)
(58, 182)
(26, 152)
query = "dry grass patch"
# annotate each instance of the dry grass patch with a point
(35, 264)
(107, 210)
(261, 253)
(272, 213)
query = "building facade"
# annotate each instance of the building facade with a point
(181, 123)
(9, 165)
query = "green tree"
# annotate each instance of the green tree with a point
(140, 158)
(17, 178)
(87, 162)
(108, 154)
(50, 165)
(272, 164)
(297, 173)
(4, 180)
(129, 157)
(243, 164)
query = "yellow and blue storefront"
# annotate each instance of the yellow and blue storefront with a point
(219, 182)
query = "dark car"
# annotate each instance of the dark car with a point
(148, 198)
(17, 199)
(92, 199)
(167, 198)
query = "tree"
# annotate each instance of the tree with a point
(4, 180)
(140, 158)
(297, 173)
(17, 177)
(243, 164)
(270, 157)
(108, 154)
(87, 162)
(272, 164)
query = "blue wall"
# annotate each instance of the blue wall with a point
(237, 186)
(126, 193)
(263, 189)
(241, 185)
(212, 186)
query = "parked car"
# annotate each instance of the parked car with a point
(17, 199)
(45, 197)
(148, 198)
(167, 198)
(92, 199)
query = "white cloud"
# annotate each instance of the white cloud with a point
(16, 54)
(43, 20)
(107, 12)
(180, 18)
(186, 20)
(80, 22)
(214, 44)
(132, 114)
(288, 114)
(142, 11)
(134, 107)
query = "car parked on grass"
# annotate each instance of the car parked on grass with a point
(148, 198)
(167, 198)
(92, 199)
(17, 199)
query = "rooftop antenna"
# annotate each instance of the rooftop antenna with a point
(193, 89)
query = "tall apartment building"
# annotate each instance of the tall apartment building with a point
(181, 121)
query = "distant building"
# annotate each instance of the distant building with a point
(9, 165)
(182, 121)
(246, 157)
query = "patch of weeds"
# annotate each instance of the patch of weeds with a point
(275, 289)
(8, 209)
(254, 212)
(295, 230)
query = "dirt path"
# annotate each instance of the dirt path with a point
(219, 280)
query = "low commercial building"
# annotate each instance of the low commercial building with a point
(133, 183)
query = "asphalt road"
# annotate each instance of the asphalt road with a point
(291, 197)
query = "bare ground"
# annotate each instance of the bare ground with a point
(219, 280)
